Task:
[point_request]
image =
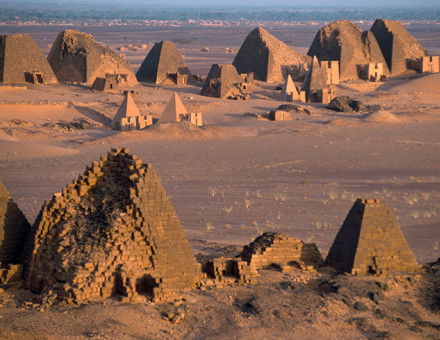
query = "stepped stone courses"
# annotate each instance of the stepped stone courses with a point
(21, 61)
(398, 46)
(223, 81)
(113, 231)
(347, 43)
(76, 57)
(370, 242)
(266, 56)
(14, 228)
(164, 65)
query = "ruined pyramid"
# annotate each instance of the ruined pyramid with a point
(163, 64)
(223, 81)
(316, 78)
(398, 46)
(76, 57)
(174, 110)
(370, 242)
(266, 56)
(347, 43)
(14, 228)
(21, 61)
(112, 232)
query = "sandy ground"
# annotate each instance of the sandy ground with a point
(233, 179)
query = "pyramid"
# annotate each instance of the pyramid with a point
(112, 232)
(347, 43)
(173, 110)
(128, 116)
(21, 61)
(128, 107)
(76, 57)
(398, 46)
(223, 81)
(370, 241)
(316, 78)
(288, 87)
(276, 248)
(163, 64)
(14, 228)
(266, 56)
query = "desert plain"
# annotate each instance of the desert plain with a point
(233, 179)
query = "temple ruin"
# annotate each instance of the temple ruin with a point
(112, 232)
(128, 116)
(21, 61)
(370, 241)
(76, 57)
(176, 112)
(223, 81)
(164, 65)
(266, 56)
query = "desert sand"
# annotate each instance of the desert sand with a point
(233, 179)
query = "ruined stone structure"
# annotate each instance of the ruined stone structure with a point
(76, 57)
(231, 270)
(164, 65)
(370, 242)
(273, 248)
(108, 84)
(347, 43)
(280, 115)
(331, 69)
(266, 56)
(128, 116)
(315, 84)
(372, 72)
(112, 232)
(223, 81)
(398, 46)
(429, 64)
(14, 228)
(22, 61)
(291, 92)
(176, 112)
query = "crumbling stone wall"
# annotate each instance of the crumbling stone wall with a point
(113, 231)
(370, 242)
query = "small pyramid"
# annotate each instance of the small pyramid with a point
(14, 228)
(370, 241)
(112, 232)
(288, 87)
(316, 78)
(76, 57)
(266, 56)
(162, 64)
(21, 61)
(128, 107)
(397, 44)
(173, 110)
(347, 43)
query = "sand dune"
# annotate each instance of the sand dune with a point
(12, 150)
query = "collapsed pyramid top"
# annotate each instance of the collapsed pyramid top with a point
(173, 110)
(128, 107)
(370, 241)
(161, 63)
(76, 57)
(14, 228)
(266, 56)
(349, 44)
(316, 78)
(20, 57)
(113, 231)
(397, 44)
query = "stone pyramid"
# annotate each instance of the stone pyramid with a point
(128, 107)
(370, 241)
(76, 57)
(349, 44)
(162, 64)
(14, 228)
(266, 56)
(173, 110)
(398, 46)
(112, 232)
(21, 59)
(288, 87)
(316, 78)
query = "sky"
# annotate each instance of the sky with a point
(253, 3)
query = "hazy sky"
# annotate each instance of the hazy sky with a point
(287, 3)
